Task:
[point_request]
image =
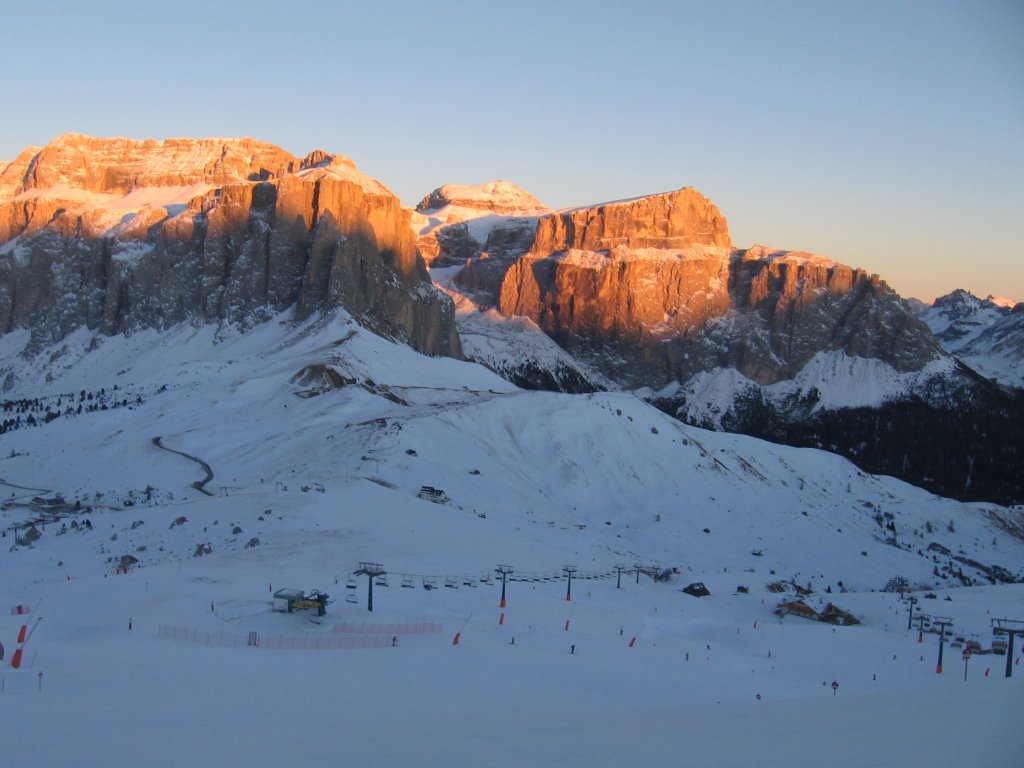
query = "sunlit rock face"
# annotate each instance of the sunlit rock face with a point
(650, 291)
(116, 235)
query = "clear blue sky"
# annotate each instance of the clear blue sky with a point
(886, 135)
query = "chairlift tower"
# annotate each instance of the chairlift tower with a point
(1012, 628)
(942, 623)
(371, 571)
(619, 570)
(503, 571)
(910, 610)
(568, 570)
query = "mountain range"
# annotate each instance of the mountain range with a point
(231, 374)
(649, 295)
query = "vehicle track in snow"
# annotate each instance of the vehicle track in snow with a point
(199, 485)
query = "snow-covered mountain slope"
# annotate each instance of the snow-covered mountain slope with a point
(314, 441)
(339, 405)
(455, 222)
(987, 334)
(831, 381)
(514, 347)
(959, 317)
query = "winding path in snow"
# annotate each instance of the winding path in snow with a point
(199, 485)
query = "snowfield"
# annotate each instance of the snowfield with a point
(311, 479)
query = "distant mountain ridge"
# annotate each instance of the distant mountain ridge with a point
(988, 334)
(647, 294)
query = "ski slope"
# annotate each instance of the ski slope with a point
(154, 665)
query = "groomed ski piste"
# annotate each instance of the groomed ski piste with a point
(180, 658)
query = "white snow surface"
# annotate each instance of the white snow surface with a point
(642, 673)
(341, 167)
(492, 195)
(481, 207)
(984, 333)
(800, 258)
(138, 198)
(839, 380)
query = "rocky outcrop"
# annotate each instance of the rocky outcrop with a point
(649, 292)
(802, 304)
(313, 235)
(672, 220)
(987, 333)
(634, 296)
(121, 165)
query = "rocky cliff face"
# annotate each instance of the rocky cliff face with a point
(655, 283)
(672, 220)
(115, 235)
(635, 272)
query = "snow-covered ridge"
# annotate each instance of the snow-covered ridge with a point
(832, 379)
(1001, 301)
(134, 200)
(988, 334)
(481, 208)
(342, 168)
(759, 252)
(493, 196)
(620, 201)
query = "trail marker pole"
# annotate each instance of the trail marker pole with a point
(967, 657)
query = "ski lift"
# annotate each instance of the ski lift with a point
(382, 580)
(351, 583)
(407, 582)
(351, 598)
(429, 583)
(468, 581)
(451, 582)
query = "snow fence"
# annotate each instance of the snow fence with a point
(280, 642)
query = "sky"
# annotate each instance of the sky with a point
(885, 135)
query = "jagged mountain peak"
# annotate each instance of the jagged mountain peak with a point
(1001, 301)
